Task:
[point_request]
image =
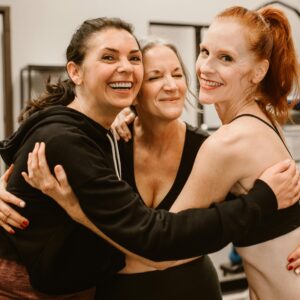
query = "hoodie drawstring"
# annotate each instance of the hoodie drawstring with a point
(116, 154)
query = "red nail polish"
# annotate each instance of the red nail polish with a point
(291, 260)
(25, 223)
(11, 231)
(290, 268)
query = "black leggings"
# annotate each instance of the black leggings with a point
(193, 280)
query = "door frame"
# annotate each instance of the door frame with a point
(7, 74)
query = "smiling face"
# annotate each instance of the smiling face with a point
(164, 87)
(111, 73)
(225, 66)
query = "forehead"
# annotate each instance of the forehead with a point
(227, 34)
(118, 39)
(159, 57)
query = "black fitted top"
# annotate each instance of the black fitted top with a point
(277, 224)
(193, 140)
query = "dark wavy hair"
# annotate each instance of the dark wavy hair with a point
(63, 92)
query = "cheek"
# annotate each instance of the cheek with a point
(246, 79)
(199, 63)
(139, 74)
(182, 87)
(145, 96)
(151, 90)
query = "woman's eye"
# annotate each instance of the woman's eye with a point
(178, 75)
(108, 57)
(226, 58)
(153, 78)
(204, 52)
(136, 59)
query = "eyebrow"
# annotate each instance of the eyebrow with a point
(158, 71)
(155, 71)
(220, 50)
(117, 51)
(178, 69)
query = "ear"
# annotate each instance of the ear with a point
(260, 71)
(74, 72)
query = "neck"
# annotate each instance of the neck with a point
(228, 111)
(157, 133)
(99, 114)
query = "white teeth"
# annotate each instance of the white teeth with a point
(210, 83)
(121, 85)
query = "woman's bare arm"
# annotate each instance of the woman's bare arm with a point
(221, 163)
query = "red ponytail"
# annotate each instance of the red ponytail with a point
(270, 38)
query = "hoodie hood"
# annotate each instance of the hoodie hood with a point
(54, 114)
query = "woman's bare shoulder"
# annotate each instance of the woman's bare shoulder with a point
(230, 138)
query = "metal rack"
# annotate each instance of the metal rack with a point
(34, 77)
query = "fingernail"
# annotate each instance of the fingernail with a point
(290, 268)
(25, 224)
(291, 260)
(22, 204)
(297, 271)
(11, 231)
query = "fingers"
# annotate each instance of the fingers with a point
(38, 169)
(33, 160)
(124, 131)
(281, 166)
(29, 168)
(6, 175)
(61, 176)
(120, 124)
(284, 180)
(10, 198)
(115, 133)
(7, 228)
(130, 117)
(294, 261)
(42, 161)
(9, 217)
(26, 177)
(295, 182)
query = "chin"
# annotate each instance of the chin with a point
(205, 101)
(124, 103)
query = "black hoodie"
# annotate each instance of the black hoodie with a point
(61, 255)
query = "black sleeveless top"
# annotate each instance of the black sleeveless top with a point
(279, 223)
(194, 138)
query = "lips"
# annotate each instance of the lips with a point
(209, 83)
(170, 99)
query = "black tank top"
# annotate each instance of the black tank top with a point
(279, 223)
(194, 138)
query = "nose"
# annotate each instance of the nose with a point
(170, 84)
(125, 65)
(204, 65)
